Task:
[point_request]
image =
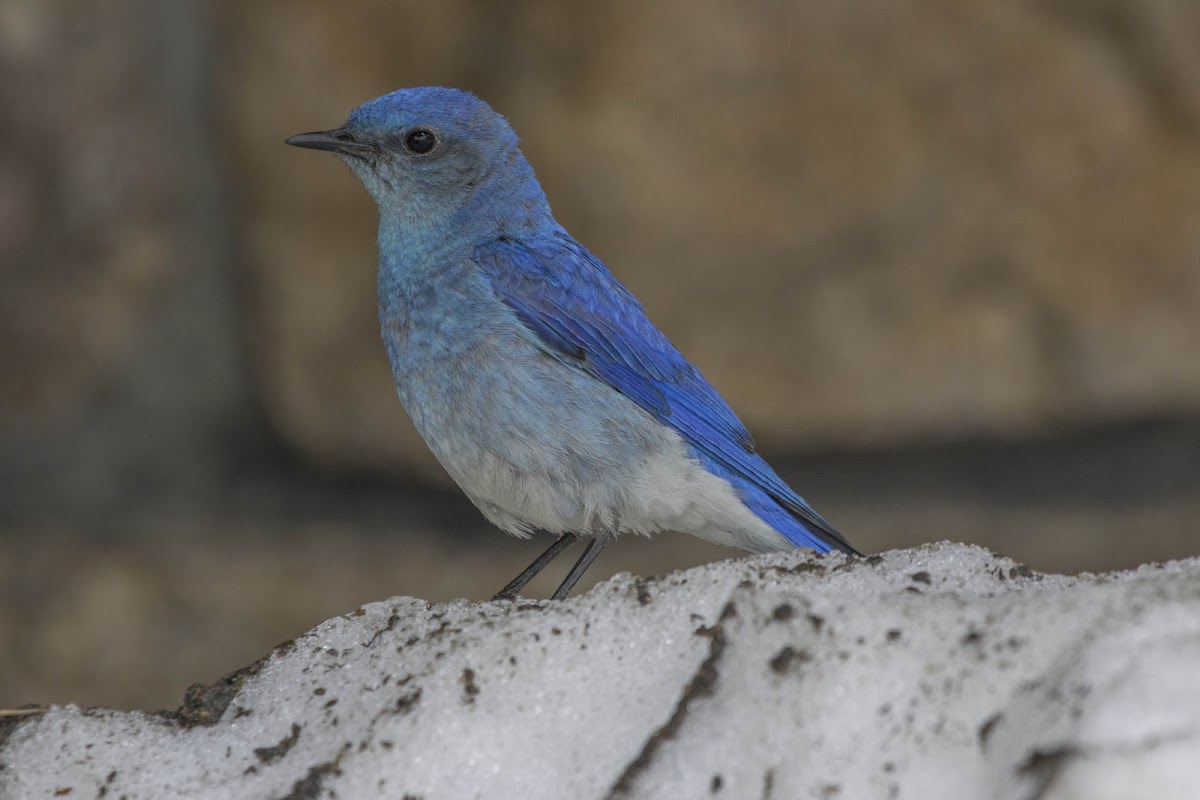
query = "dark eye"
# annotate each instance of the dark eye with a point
(420, 141)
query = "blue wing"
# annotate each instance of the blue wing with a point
(584, 316)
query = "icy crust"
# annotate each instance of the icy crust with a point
(939, 672)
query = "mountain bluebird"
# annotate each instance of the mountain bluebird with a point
(533, 375)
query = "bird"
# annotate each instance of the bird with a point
(533, 375)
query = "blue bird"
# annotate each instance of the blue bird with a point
(533, 375)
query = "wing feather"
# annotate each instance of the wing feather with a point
(581, 314)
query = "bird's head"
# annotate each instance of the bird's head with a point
(425, 154)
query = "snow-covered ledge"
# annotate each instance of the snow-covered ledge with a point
(939, 672)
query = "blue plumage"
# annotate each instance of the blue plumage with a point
(533, 374)
(587, 318)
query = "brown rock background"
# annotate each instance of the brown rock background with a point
(942, 257)
(868, 223)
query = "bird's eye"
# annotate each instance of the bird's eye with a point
(420, 141)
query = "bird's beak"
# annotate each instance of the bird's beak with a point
(338, 140)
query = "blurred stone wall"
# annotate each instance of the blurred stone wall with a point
(867, 222)
(120, 354)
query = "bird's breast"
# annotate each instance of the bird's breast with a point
(433, 314)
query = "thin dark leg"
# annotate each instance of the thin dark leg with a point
(593, 549)
(539, 564)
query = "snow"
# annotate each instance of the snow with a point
(939, 672)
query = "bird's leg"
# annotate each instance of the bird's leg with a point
(589, 555)
(539, 564)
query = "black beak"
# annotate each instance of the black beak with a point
(338, 140)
